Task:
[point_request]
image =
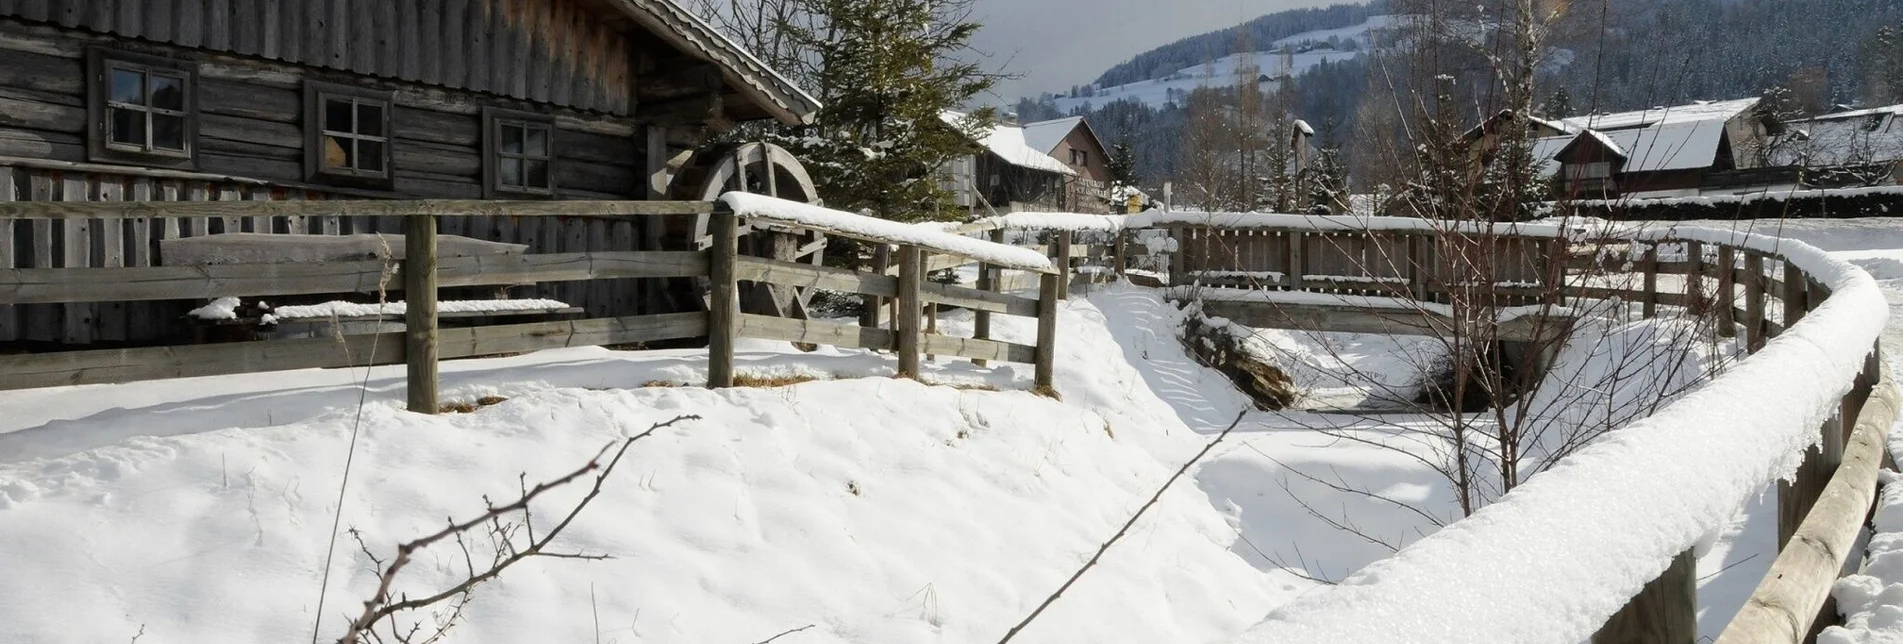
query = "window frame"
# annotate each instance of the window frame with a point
(100, 63)
(493, 119)
(1080, 157)
(316, 95)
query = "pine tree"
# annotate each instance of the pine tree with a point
(1327, 183)
(1122, 164)
(1559, 105)
(886, 74)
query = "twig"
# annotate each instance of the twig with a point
(1123, 530)
(785, 633)
(379, 606)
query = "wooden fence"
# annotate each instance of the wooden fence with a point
(423, 273)
(136, 241)
(1749, 291)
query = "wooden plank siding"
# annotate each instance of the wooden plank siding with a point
(548, 51)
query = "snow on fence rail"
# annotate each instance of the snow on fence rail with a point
(422, 273)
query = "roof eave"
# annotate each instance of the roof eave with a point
(775, 95)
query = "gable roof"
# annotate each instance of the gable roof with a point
(1008, 142)
(1698, 111)
(1671, 146)
(685, 31)
(1486, 124)
(1045, 135)
(1873, 135)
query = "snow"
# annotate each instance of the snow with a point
(801, 214)
(1845, 138)
(1305, 298)
(1074, 222)
(1692, 113)
(1044, 136)
(224, 308)
(1008, 142)
(355, 310)
(1550, 561)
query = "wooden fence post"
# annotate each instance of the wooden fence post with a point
(1046, 367)
(1119, 253)
(1061, 249)
(1754, 301)
(906, 319)
(1179, 258)
(987, 281)
(1727, 292)
(1694, 274)
(1649, 295)
(419, 315)
(723, 303)
(1664, 612)
(1296, 263)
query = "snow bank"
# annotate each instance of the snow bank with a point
(800, 214)
(1872, 600)
(1553, 559)
(354, 310)
(1075, 222)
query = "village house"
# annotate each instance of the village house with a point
(183, 100)
(1008, 175)
(1072, 141)
(1846, 147)
(1687, 150)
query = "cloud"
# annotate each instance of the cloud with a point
(1058, 43)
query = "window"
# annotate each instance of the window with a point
(347, 137)
(519, 155)
(1079, 157)
(142, 109)
(1583, 171)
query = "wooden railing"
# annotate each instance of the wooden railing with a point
(422, 273)
(1749, 288)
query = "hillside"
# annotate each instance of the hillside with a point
(1608, 57)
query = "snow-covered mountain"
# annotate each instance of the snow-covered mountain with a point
(1290, 56)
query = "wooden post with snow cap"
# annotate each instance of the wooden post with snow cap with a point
(906, 319)
(1664, 612)
(723, 302)
(419, 314)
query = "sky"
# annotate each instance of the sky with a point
(1059, 43)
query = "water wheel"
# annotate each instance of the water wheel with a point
(758, 168)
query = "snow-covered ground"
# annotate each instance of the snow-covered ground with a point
(873, 509)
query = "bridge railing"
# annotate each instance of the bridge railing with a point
(1600, 547)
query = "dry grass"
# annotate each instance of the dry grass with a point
(962, 386)
(460, 407)
(659, 383)
(760, 381)
(1048, 391)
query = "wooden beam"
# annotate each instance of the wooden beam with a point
(1664, 612)
(1793, 592)
(26, 371)
(1754, 322)
(1060, 257)
(906, 321)
(977, 349)
(1044, 374)
(51, 285)
(987, 282)
(327, 207)
(1727, 292)
(723, 304)
(767, 327)
(419, 315)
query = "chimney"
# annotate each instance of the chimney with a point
(1008, 118)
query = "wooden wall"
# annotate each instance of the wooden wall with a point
(251, 121)
(559, 52)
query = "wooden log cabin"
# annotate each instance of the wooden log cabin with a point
(206, 100)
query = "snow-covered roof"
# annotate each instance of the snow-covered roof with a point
(1855, 137)
(1672, 146)
(1303, 127)
(1700, 111)
(1044, 136)
(1008, 142)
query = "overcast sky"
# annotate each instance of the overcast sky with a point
(1059, 43)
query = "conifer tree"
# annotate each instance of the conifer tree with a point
(885, 73)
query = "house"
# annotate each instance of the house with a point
(1847, 147)
(1687, 150)
(402, 98)
(1008, 175)
(1483, 140)
(199, 100)
(1072, 141)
